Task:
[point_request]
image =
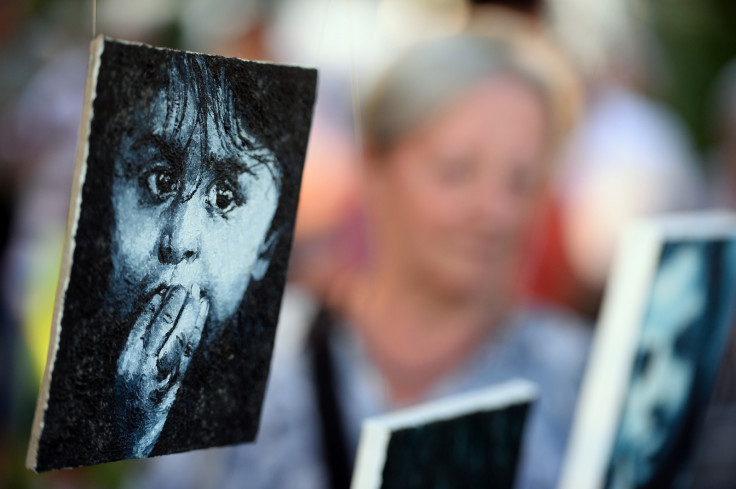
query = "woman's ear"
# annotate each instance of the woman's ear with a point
(265, 252)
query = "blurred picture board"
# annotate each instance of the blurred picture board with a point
(471, 440)
(178, 236)
(666, 321)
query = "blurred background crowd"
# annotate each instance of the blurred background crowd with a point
(643, 96)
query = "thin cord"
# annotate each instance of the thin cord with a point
(357, 116)
(323, 28)
(94, 18)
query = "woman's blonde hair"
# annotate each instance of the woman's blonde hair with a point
(430, 75)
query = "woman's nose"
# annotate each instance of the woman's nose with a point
(180, 239)
(495, 206)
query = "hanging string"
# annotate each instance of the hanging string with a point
(323, 28)
(94, 18)
(355, 93)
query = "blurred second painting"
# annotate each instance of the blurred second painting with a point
(471, 440)
(667, 320)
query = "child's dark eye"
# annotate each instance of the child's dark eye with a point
(641, 363)
(161, 182)
(222, 197)
(685, 344)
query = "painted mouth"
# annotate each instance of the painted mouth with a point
(173, 277)
(164, 290)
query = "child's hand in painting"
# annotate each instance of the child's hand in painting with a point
(155, 357)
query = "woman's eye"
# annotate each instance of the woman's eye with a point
(455, 171)
(161, 182)
(521, 181)
(222, 197)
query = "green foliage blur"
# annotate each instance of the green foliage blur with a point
(698, 38)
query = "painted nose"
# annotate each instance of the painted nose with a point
(181, 236)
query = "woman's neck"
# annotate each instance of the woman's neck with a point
(416, 335)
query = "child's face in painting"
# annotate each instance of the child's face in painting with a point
(189, 209)
(664, 370)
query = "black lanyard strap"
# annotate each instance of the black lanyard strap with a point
(334, 443)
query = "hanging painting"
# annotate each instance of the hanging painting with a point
(179, 230)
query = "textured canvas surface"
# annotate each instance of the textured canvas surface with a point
(176, 256)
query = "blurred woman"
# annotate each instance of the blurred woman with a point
(459, 137)
(458, 140)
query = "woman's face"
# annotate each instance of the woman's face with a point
(190, 210)
(451, 200)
